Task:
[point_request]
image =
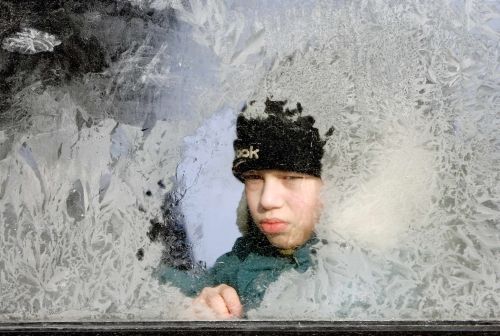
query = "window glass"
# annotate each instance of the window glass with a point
(122, 185)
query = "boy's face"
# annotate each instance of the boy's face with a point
(284, 205)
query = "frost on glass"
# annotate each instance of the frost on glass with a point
(30, 41)
(120, 161)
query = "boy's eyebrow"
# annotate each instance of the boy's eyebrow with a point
(286, 172)
(251, 172)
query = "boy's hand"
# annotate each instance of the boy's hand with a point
(222, 302)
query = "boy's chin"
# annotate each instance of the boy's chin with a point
(284, 242)
(281, 243)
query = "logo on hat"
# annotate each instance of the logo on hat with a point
(247, 153)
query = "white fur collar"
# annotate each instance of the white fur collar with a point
(242, 215)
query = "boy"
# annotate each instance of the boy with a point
(278, 158)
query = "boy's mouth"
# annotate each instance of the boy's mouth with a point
(273, 226)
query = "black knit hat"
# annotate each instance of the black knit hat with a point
(283, 140)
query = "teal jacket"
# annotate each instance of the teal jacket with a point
(250, 267)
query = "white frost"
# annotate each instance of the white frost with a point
(30, 41)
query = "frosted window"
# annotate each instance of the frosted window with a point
(116, 127)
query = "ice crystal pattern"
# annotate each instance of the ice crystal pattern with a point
(412, 220)
(30, 41)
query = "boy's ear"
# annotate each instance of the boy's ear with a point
(242, 215)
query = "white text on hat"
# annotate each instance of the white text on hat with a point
(247, 153)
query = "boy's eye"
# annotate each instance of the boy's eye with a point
(293, 177)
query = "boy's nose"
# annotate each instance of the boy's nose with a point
(271, 196)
